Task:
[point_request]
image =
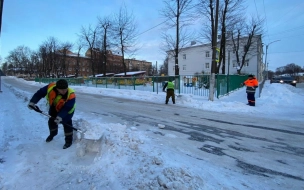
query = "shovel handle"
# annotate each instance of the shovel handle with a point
(36, 108)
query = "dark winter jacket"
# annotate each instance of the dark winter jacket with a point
(63, 105)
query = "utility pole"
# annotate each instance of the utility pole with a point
(105, 27)
(1, 10)
(214, 44)
(228, 72)
(177, 39)
(266, 57)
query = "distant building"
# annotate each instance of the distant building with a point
(138, 65)
(198, 59)
(113, 63)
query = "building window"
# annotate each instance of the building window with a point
(184, 56)
(184, 67)
(207, 54)
(207, 65)
(246, 64)
(234, 63)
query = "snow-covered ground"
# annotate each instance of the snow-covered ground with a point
(126, 157)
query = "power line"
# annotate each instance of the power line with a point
(287, 37)
(194, 6)
(289, 30)
(266, 19)
(256, 8)
(287, 52)
(153, 27)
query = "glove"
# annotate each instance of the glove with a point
(58, 120)
(32, 106)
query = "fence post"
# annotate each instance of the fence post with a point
(179, 84)
(134, 79)
(217, 86)
(153, 82)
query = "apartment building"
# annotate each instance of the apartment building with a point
(113, 63)
(198, 59)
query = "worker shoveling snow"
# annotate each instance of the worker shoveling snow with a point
(88, 137)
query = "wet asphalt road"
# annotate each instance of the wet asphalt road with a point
(255, 145)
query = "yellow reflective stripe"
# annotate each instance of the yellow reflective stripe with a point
(58, 97)
(73, 108)
(48, 92)
(71, 91)
(68, 134)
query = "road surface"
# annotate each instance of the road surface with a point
(265, 148)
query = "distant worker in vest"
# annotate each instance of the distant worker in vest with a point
(170, 91)
(62, 100)
(251, 84)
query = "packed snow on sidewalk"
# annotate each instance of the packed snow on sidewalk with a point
(125, 157)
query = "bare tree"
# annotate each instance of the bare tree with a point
(89, 36)
(231, 13)
(292, 69)
(179, 14)
(125, 33)
(105, 24)
(65, 49)
(20, 59)
(210, 9)
(164, 67)
(79, 46)
(244, 38)
(50, 61)
(34, 63)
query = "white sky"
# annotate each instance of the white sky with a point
(130, 158)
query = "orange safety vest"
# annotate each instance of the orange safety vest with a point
(57, 100)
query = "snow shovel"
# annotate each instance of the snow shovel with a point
(36, 108)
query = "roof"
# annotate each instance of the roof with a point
(131, 73)
(101, 75)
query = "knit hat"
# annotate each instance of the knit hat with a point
(62, 84)
(250, 75)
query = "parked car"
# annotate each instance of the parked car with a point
(284, 80)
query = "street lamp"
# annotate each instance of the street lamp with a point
(266, 56)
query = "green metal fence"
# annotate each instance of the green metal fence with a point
(184, 84)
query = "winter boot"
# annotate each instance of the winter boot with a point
(49, 138)
(68, 139)
(66, 145)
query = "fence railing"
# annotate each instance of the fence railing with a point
(184, 84)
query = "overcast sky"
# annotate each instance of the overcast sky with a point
(30, 23)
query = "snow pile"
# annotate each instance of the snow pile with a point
(125, 147)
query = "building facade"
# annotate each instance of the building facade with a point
(113, 63)
(198, 59)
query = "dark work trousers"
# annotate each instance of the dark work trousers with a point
(170, 93)
(53, 127)
(251, 99)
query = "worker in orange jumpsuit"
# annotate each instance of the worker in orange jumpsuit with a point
(251, 84)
